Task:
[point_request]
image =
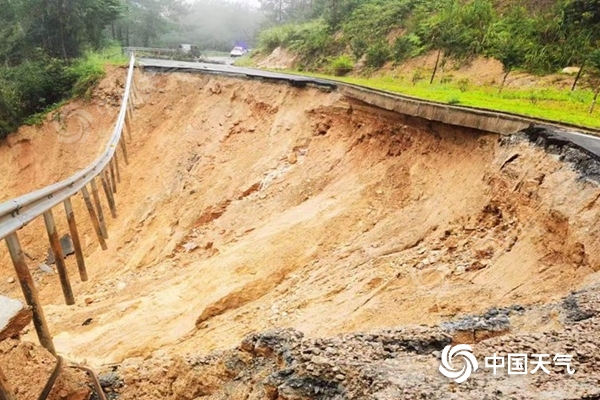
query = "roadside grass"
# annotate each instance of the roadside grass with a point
(245, 61)
(549, 103)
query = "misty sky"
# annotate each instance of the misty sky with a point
(254, 3)
(251, 2)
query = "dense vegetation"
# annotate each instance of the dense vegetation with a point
(42, 47)
(536, 37)
(51, 50)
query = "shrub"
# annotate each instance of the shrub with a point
(463, 84)
(405, 47)
(377, 55)
(358, 46)
(341, 65)
(453, 100)
(40, 83)
(308, 38)
(30, 88)
(417, 76)
(36, 86)
(534, 98)
(311, 38)
(271, 38)
(446, 79)
(86, 72)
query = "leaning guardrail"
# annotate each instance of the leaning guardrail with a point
(153, 51)
(16, 213)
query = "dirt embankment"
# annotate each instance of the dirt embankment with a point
(249, 206)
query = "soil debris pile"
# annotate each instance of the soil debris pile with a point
(28, 368)
(390, 364)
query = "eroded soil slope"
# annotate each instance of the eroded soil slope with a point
(250, 205)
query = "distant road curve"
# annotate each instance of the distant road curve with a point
(581, 137)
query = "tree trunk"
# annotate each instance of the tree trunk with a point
(62, 30)
(578, 75)
(443, 68)
(437, 61)
(594, 101)
(280, 13)
(503, 81)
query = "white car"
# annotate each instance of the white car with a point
(237, 52)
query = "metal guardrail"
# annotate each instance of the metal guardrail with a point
(162, 53)
(148, 50)
(16, 213)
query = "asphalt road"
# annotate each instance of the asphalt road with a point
(586, 141)
(231, 70)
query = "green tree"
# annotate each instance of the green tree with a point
(334, 12)
(594, 60)
(280, 12)
(11, 51)
(581, 20)
(455, 29)
(40, 39)
(510, 41)
(143, 22)
(63, 28)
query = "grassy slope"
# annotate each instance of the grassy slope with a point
(551, 104)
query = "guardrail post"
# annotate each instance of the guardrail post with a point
(101, 219)
(104, 178)
(117, 171)
(113, 181)
(124, 149)
(93, 217)
(29, 291)
(75, 237)
(6, 392)
(58, 258)
(136, 94)
(128, 123)
(130, 104)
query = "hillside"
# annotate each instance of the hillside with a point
(453, 43)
